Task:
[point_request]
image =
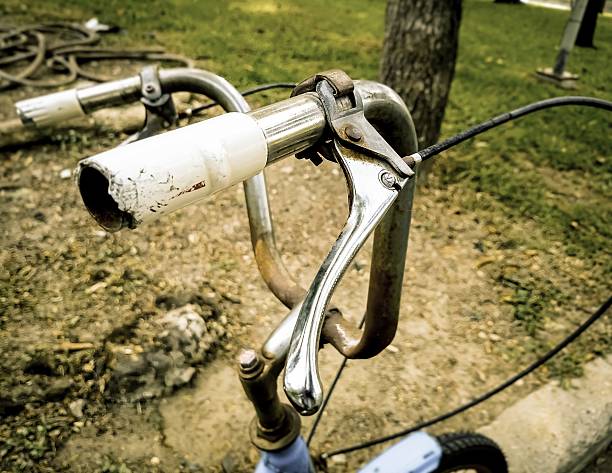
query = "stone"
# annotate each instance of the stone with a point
(76, 408)
(570, 426)
(178, 377)
(163, 352)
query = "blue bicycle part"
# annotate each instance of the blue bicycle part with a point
(291, 459)
(417, 453)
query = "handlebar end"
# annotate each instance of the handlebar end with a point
(49, 109)
(93, 186)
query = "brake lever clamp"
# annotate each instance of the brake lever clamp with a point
(159, 106)
(375, 174)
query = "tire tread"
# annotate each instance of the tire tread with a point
(470, 448)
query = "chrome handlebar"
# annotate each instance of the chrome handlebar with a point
(380, 186)
(73, 103)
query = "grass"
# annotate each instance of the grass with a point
(530, 304)
(553, 168)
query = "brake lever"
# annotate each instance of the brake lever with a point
(375, 175)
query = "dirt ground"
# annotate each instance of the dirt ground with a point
(71, 294)
(602, 463)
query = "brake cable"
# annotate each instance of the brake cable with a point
(245, 93)
(428, 153)
(474, 402)
(436, 149)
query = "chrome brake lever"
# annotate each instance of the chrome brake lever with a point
(374, 174)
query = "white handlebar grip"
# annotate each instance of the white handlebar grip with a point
(49, 109)
(143, 180)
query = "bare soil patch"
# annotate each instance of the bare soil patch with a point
(483, 295)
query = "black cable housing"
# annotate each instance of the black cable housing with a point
(436, 149)
(565, 342)
(428, 153)
(244, 93)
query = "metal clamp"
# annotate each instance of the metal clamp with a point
(159, 106)
(375, 175)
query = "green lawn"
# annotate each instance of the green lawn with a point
(553, 167)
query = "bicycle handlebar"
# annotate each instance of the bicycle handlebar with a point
(68, 104)
(138, 182)
(287, 127)
(144, 180)
(73, 103)
(49, 109)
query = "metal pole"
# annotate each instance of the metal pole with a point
(569, 36)
(558, 75)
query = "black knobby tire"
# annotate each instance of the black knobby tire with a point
(470, 451)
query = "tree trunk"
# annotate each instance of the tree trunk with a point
(589, 22)
(420, 48)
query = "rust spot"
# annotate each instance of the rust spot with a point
(275, 274)
(195, 187)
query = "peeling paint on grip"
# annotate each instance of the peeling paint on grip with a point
(158, 175)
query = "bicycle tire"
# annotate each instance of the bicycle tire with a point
(472, 452)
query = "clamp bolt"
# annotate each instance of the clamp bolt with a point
(353, 133)
(387, 179)
(149, 88)
(249, 360)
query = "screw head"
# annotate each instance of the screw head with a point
(149, 88)
(353, 133)
(387, 179)
(248, 359)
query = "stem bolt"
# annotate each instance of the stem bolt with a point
(149, 88)
(248, 360)
(353, 133)
(387, 179)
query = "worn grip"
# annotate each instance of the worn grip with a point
(141, 181)
(50, 109)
